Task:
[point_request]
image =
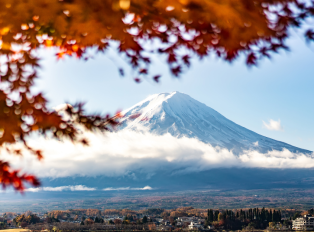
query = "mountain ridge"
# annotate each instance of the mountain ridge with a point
(181, 115)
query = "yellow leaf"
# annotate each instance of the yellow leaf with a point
(124, 4)
(6, 46)
(5, 30)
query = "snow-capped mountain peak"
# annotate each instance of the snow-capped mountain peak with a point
(182, 116)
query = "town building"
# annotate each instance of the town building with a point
(195, 226)
(303, 223)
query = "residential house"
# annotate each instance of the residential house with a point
(303, 223)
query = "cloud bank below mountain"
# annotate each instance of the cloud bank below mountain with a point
(118, 154)
(61, 188)
(127, 189)
(83, 188)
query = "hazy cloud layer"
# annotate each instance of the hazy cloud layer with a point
(82, 188)
(273, 125)
(127, 188)
(61, 188)
(117, 154)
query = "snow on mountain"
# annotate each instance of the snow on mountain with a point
(180, 115)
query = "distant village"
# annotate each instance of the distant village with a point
(184, 218)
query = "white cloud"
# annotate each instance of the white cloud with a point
(61, 188)
(127, 188)
(273, 125)
(123, 153)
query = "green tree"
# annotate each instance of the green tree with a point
(252, 225)
(98, 220)
(287, 222)
(144, 220)
(210, 215)
(2, 225)
(216, 215)
(125, 222)
(296, 215)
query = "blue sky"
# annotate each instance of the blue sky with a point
(280, 88)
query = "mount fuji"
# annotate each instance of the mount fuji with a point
(182, 116)
(168, 142)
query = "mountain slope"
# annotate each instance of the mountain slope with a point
(180, 115)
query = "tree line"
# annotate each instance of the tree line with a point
(251, 214)
(254, 217)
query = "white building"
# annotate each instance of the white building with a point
(305, 223)
(188, 219)
(195, 226)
